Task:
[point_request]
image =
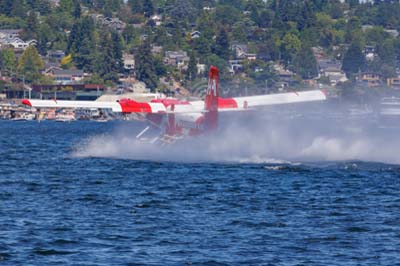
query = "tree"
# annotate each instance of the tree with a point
(136, 6)
(222, 44)
(182, 11)
(203, 46)
(29, 64)
(30, 31)
(353, 60)
(6, 7)
(305, 63)
(18, 8)
(148, 8)
(45, 35)
(81, 30)
(145, 70)
(192, 67)
(8, 61)
(77, 9)
(66, 6)
(118, 62)
(66, 61)
(290, 46)
(227, 15)
(105, 62)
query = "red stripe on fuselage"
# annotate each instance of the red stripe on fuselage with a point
(227, 103)
(129, 106)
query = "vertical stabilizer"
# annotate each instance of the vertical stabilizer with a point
(211, 101)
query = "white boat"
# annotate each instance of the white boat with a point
(24, 117)
(65, 117)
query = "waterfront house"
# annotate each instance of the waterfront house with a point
(394, 83)
(332, 69)
(371, 79)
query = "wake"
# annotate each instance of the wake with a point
(264, 140)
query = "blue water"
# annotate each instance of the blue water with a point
(57, 208)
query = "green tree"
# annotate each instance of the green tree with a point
(45, 37)
(305, 63)
(77, 9)
(32, 25)
(118, 62)
(192, 67)
(8, 61)
(290, 46)
(81, 30)
(18, 9)
(66, 6)
(353, 60)
(6, 7)
(136, 6)
(105, 62)
(222, 46)
(203, 46)
(227, 15)
(144, 63)
(29, 64)
(148, 8)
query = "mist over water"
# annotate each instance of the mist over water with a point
(277, 135)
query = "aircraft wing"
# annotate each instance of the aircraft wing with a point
(224, 104)
(249, 102)
(122, 106)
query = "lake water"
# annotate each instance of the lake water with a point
(80, 194)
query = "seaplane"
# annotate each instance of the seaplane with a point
(177, 119)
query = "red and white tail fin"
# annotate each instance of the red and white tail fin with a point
(211, 101)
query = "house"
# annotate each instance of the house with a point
(55, 55)
(115, 24)
(240, 50)
(50, 67)
(207, 8)
(16, 43)
(371, 79)
(176, 58)
(393, 33)
(369, 52)
(251, 57)
(54, 3)
(318, 52)
(201, 69)
(156, 49)
(67, 76)
(285, 76)
(157, 19)
(235, 66)
(194, 35)
(393, 83)
(10, 34)
(129, 62)
(333, 70)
